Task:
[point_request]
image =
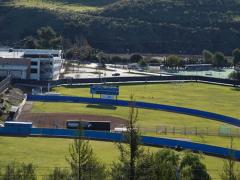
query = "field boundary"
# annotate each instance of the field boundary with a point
(138, 79)
(137, 104)
(119, 137)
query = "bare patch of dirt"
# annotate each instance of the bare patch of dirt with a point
(58, 120)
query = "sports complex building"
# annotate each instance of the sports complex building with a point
(36, 64)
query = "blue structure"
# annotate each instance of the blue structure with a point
(146, 140)
(145, 105)
(117, 137)
(16, 128)
(101, 89)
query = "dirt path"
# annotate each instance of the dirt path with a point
(58, 120)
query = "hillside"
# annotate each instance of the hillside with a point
(159, 26)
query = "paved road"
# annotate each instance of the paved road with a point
(91, 71)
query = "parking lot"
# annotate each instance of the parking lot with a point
(92, 71)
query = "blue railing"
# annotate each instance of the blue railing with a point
(145, 105)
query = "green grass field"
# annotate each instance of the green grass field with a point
(52, 152)
(192, 95)
(147, 118)
(47, 153)
(214, 98)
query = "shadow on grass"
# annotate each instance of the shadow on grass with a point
(99, 106)
(236, 88)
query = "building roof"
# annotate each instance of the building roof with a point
(17, 122)
(18, 53)
(197, 65)
(15, 61)
(14, 54)
(41, 51)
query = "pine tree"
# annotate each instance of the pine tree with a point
(83, 163)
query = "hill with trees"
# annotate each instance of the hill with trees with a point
(153, 26)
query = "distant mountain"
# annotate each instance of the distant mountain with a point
(157, 26)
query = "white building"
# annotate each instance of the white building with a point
(44, 64)
(18, 68)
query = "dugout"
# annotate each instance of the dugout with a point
(89, 125)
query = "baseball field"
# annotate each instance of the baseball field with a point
(51, 152)
(213, 98)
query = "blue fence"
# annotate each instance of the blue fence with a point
(16, 131)
(117, 137)
(162, 107)
(145, 140)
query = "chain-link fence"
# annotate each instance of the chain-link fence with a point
(198, 131)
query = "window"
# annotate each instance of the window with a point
(34, 63)
(55, 55)
(34, 71)
(31, 56)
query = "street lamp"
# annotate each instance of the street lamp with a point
(128, 60)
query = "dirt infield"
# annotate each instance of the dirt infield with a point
(58, 120)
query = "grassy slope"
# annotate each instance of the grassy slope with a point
(53, 5)
(143, 25)
(48, 153)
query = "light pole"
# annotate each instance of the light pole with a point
(128, 60)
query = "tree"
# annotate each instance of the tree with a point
(219, 60)
(30, 43)
(116, 59)
(83, 163)
(142, 63)
(167, 165)
(229, 166)
(58, 174)
(162, 165)
(102, 59)
(135, 58)
(172, 61)
(80, 50)
(22, 171)
(207, 56)
(47, 38)
(235, 75)
(236, 56)
(191, 168)
(131, 152)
